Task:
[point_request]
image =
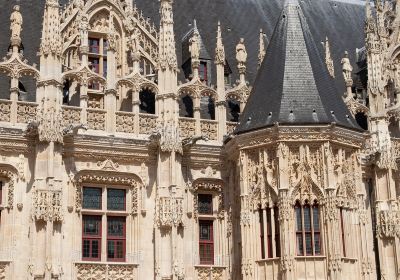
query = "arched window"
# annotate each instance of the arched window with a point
(233, 110)
(207, 108)
(147, 102)
(186, 106)
(308, 231)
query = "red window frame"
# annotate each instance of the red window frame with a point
(1, 192)
(342, 232)
(124, 209)
(115, 240)
(277, 232)
(101, 198)
(269, 233)
(206, 258)
(91, 238)
(208, 198)
(203, 71)
(262, 236)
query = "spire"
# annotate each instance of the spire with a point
(51, 37)
(262, 52)
(293, 85)
(167, 51)
(328, 59)
(220, 49)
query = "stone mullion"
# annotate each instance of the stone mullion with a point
(265, 228)
(14, 91)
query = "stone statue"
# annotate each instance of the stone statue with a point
(134, 43)
(241, 53)
(194, 47)
(346, 66)
(16, 23)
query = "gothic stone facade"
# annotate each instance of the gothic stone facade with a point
(107, 175)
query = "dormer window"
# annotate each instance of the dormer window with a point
(203, 71)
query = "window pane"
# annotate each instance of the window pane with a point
(91, 198)
(110, 249)
(309, 250)
(316, 218)
(205, 231)
(206, 253)
(307, 218)
(205, 204)
(317, 244)
(115, 199)
(300, 249)
(91, 226)
(115, 227)
(277, 232)
(299, 226)
(95, 249)
(86, 249)
(120, 250)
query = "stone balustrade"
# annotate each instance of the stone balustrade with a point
(125, 122)
(230, 127)
(5, 111)
(96, 119)
(71, 115)
(210, 272)
(105, 271)
(187, 127)
(26, 111)
(209, 129)
(147, 123)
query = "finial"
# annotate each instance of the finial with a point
(167, 51)
(262, 51)
(328, 58)
(194, 48)
(219, 50)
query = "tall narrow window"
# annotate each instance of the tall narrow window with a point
(205, 204)
(1, 192)
(116, 238)
(262, 236)
(206, 242)
(308, 235)
(342, 233)
(269, 227)
(91, 243)
(203, 71)
(94, 45)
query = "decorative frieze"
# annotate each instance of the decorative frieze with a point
(47, 206)
(210, 273)
(230, 127)
(71, 115)
(388, 224)
(95, 271)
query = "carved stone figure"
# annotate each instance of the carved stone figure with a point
(194, 47)
(346, 66)
(241, 53)
(134, 43)
(16, 23)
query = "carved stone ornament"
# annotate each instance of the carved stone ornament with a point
(113, 178)
(11, 177)
(287, 263)
(93, 271)
(179, 270)
(170, 211)
(50, 127)
(335, 263)
(16, 23)
(167, 137)
(108, 165)
(47, 206)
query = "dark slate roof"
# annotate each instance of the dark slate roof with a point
(293, 85)
(342, 21)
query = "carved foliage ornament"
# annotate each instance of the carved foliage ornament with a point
(170, 211)
(11, 176)
(47, 206)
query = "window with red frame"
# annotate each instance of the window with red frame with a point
(205, 204)
(308, 235)
(92, 198)
(342, 232)
(203, 71)
(206, 242)
(116, 200)
(94, 45)
(116, 239)
(95, 64)
(91, 240)
(269, 238)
